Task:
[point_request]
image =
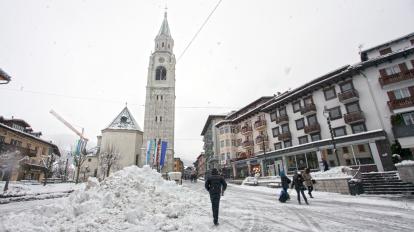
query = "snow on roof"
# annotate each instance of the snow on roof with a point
(389, 42)
(125, 121)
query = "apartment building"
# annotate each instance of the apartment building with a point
(211, 141)
(243, 135)
(348, 117)
(34, 154)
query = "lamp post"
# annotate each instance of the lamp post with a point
(264, 155)
(327, 115)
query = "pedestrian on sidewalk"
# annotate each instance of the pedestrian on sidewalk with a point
(215, 185)
(297, 183)
(308, 181)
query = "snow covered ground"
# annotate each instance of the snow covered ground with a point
(137, 200)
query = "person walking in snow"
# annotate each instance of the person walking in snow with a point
(285, 181)
(308, 181)
(297, 183)
(215, 185)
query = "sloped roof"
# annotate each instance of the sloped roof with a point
(124, 121)
(165, 29)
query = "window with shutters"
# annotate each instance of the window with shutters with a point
(352, 107)
(401, 93)
(335, 113)
(346, 86)
(308, 101)
(287, 143)
(300, 124)
(278, 146)
(303, 139)
(312, 120)
(275, 132)
(282, 111)
(339, 131)
(358, 128)
(285, 128)
(385, 51)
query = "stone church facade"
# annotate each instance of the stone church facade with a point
(160, 97)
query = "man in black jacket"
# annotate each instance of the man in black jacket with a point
(215, 185)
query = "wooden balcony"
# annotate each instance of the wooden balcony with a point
(282, 119)
(260, 139)
(397, 77)
(246, 130)
(260, 124)
(348, 96)
(354, 117)
(284, 136)
(5, 147)
(401, 103)
(247, 143)
(314, 128)
(308, 109)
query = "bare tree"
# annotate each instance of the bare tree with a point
(109, 158)
(79, 159)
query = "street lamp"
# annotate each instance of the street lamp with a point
(327, 115)
(264, 155)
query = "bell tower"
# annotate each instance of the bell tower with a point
(160, 98)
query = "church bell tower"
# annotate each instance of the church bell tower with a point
(160, 99)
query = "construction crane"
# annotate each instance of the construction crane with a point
(69, 125)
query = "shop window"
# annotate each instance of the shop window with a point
(301, 161)
(303, 139)
(345, 150)
(332, 163)
(312, 160)
(291, 164)
(275, 132)
(339, 131)
(329, 151)
(315, 137)
(296, 106)
(278, 146)
(300, 124)
(329, 93)
(361, 148)
(335, 113)
(358, 128)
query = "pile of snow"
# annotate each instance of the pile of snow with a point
(334, 172)
(132, 199)
(405, 163)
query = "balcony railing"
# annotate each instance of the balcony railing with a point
(282, 119)
(260, 124)
(247, 143)
(308, 109)
(401, 103)
(312, 128)
(246, 129)
(348, 96)
(401, 131)
(261, 138)
(284, 136)
(354, 117)
(397, 77)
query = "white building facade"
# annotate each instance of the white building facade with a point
(366, 107)
(160, 97)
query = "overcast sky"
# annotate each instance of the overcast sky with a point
(86, 58)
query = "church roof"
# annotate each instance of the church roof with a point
(125, 121)
(165, 29)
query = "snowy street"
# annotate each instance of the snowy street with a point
(245, 208)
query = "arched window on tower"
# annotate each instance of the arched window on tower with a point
(160, 73)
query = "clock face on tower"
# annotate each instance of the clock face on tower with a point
(161, 60)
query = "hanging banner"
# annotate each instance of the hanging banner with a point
(154, 143)
(163, 151)
(158, 152)
(149, 145)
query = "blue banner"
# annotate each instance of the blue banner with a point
(149, 145)
(163, 151)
